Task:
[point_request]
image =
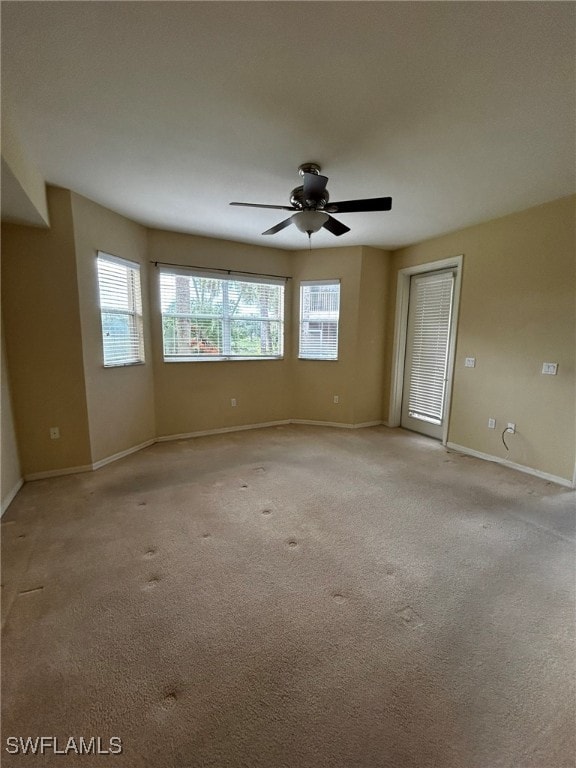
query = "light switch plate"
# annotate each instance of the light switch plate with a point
(550, 368)
(470, 362)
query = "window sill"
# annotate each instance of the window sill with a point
(216, 359)
(321, 359)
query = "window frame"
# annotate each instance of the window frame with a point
(311, 355)
(226, 319)
(134, 309)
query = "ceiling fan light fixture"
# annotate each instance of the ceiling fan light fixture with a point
(310, 203)
(310, 222)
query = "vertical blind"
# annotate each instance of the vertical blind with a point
(121, 310)
(319, 315)
(431, 303)
(211, 317)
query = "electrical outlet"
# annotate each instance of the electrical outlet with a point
(54, 433)
(336, 399)
(470, 362)
(511, 427)
(233, 402)
(550, 368)
(491, 423)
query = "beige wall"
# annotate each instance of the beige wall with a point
(120, 401)
(371, 335)
(11, 476)
(356, 377)
(192, 397)
(516, 311)
(44, 340)
(315, 382)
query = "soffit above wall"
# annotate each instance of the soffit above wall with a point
(17, 207)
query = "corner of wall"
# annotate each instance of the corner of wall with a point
(371, 334)
(11, 473)
(123, 396)
(41, 319)
(24, 195)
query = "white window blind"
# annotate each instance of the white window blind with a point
(432, 297)
(319, 315)
(205, 316)
(121, 310)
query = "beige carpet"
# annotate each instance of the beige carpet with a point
(294, 597)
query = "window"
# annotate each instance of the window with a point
(319, 313)
(121, 310)
(209, 317)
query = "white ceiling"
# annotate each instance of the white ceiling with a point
(167, 111)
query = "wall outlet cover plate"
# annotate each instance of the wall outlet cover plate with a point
(550, 368)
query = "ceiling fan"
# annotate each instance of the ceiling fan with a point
(312, 208)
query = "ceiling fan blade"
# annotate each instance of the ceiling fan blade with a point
(278, 227)
(336, 227)
(276, 207)
(314, 186)
(359, 206)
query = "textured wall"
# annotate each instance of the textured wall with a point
(357, 376)
(517, 311)
(120, 400)
(44, 340)
(195, 396)
(315, 382)
(9, 458)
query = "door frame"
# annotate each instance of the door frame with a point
(400, 329)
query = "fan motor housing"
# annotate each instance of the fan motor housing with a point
(298, 201)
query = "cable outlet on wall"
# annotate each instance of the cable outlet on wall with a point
(491, 423)
(233, 402)
(54, 433)
(511, 427)
(336, 399)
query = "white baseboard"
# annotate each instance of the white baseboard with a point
(340, 424)
(122, 454)
(57, 472)
(220, 431)
(185, 436)
(223, 430)
(87, 467)
(512, 465)
(9, 498)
